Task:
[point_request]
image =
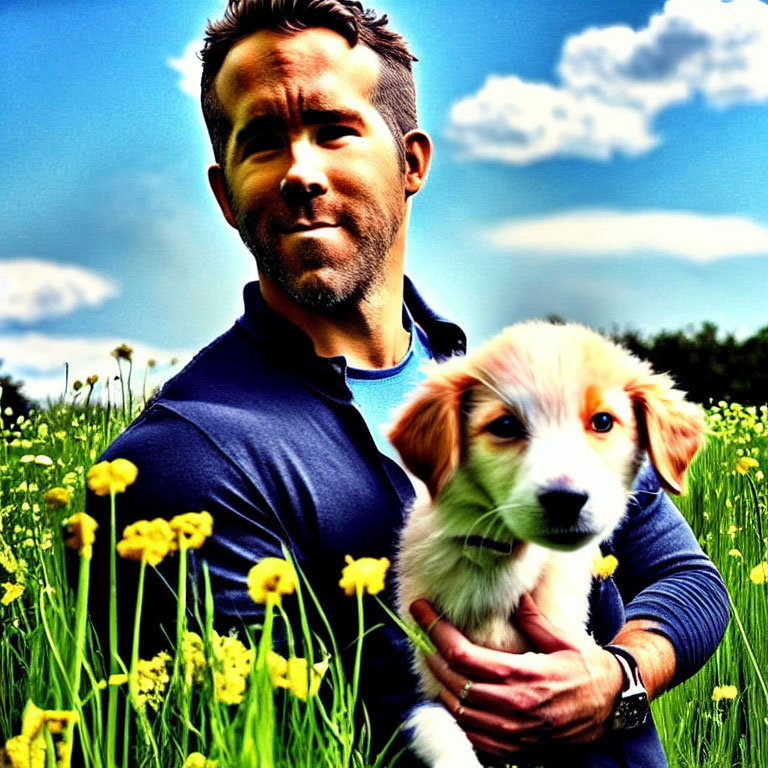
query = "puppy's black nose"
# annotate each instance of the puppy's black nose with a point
(562, 506)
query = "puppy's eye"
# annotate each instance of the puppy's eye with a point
(507, 427)
(602, 422)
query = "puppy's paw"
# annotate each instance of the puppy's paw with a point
(438, 740)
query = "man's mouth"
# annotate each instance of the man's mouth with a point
(309, 226)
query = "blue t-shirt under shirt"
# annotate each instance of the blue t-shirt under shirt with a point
(379, 392)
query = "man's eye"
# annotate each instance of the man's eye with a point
(602, 422)
(265, 142)
(507, 427)
(332, 132)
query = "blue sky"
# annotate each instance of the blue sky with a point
(604, 161)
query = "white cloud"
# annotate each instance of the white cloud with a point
(189, 66)
(38, 361)
(615, 80)
(519, 122)
(597, 232)
(32, 289)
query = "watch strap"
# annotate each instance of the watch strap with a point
(633, 683)
(631, 709)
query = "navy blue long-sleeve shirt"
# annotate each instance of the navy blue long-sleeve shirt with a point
(263, 434)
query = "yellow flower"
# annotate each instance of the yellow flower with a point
(56, 498)
(193, 653)
(365, 573)
(733, 530)
(118, 679)
(735, 553)
(80, 533)
(721, 692)
(293, 674)
(57, 719)
(91, 380)
(12, 592)
(111, 476)
(193, 527)
(303, 682)
(64, 754)
(148, 540)
(32, 720)
(43, 461)
(271, 578)
(77, 385)
(745, 463)
(604, 567)
(152, 679)
(123, 352)
(277, 667)
(232, 665)
(198, 760)
(23, 752)
(759, 574)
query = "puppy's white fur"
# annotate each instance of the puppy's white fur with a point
(509, 442)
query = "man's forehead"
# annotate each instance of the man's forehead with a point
(315, 56)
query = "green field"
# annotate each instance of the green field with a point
(231, 702)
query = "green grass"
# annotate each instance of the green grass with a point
(727, 511)
(39, 637)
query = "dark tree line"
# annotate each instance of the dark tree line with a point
(12, 397)
(708, 366)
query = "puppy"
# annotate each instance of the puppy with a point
(528, 448)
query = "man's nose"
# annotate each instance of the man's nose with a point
(305, 178)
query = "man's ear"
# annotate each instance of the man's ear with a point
(218, 186)
(418, 153)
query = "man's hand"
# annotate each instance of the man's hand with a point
(509, 702)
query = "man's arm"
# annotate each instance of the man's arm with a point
(179, 471)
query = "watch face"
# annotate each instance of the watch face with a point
(631, 712)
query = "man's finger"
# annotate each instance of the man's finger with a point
(502, 699)
(520, 730)
(461, 655)
(544, 636)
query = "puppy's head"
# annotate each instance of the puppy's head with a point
(542, 431)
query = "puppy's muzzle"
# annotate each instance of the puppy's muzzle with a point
(562, 506)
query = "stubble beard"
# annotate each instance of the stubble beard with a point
(364, 269)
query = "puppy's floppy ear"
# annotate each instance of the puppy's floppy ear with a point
(670, 427)
(427, 432)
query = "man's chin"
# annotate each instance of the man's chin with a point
(315, 291)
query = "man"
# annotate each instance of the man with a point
(274, 428)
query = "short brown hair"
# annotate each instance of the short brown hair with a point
(394, 95)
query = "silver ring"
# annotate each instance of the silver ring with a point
(432, 624)
(465, 689)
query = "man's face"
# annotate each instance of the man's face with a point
(314, 182)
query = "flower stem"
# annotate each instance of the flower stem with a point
(114, 666)
(81, 619)
(181, 627)
(133, 682)
(358, 647)
(260, 719)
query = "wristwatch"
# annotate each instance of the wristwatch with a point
(631, 709)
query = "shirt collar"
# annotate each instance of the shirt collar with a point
(295, 349)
